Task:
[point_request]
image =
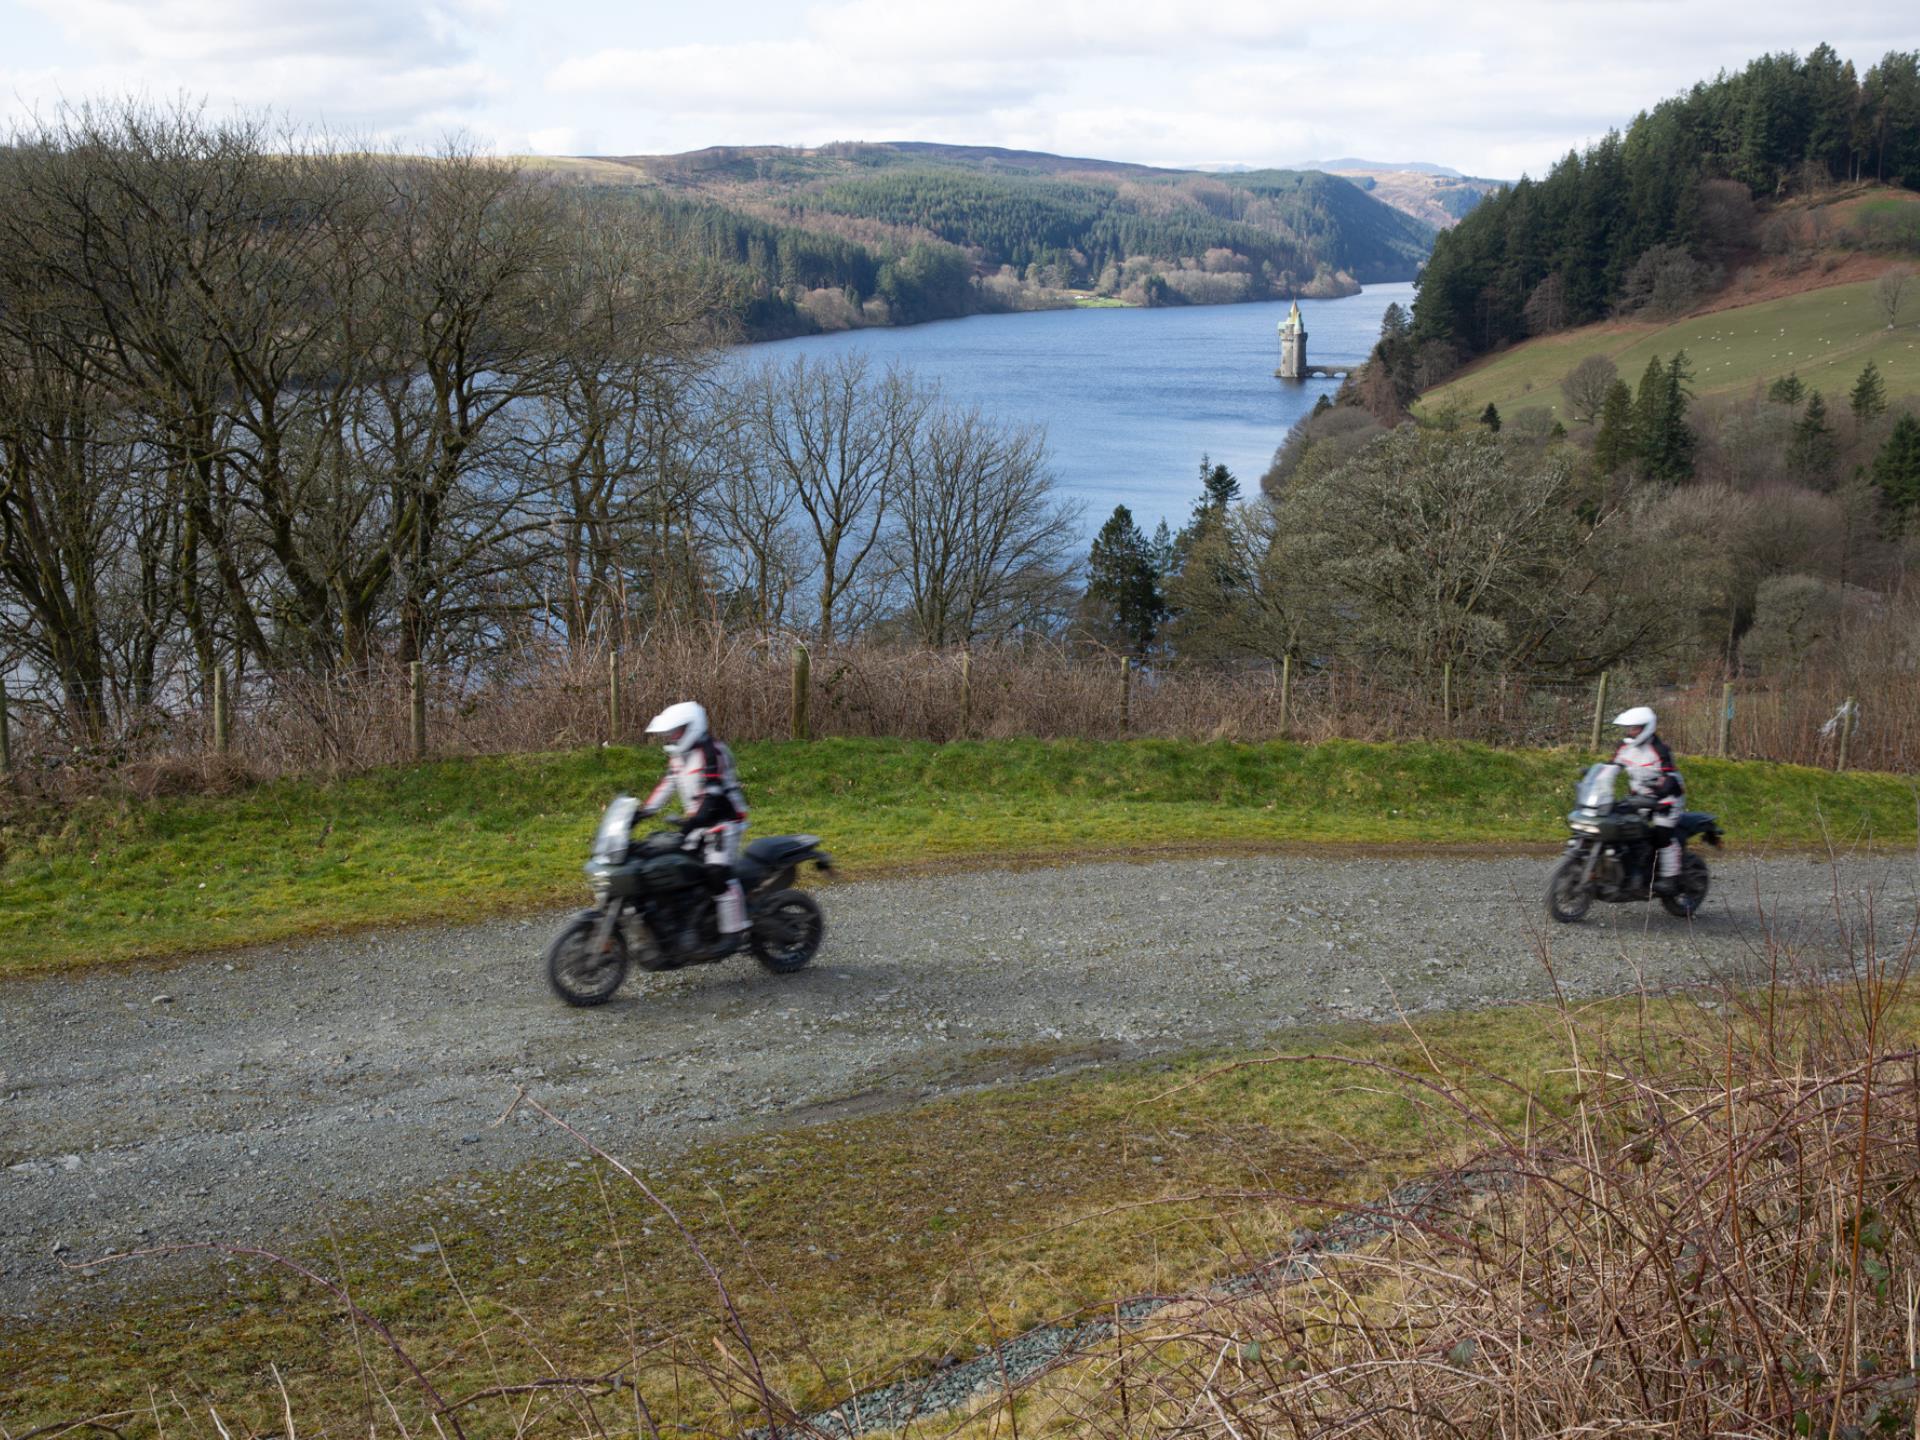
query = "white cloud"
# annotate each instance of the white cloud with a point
(788, 78)
(352, 63)
(1492, 88)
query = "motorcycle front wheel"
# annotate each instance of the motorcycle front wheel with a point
(787, 927)
(1693, 889)
(1568, 896)
(578, 975)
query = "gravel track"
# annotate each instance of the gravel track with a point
(240, 1096)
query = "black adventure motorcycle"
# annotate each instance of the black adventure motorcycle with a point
(1610, 856)
(654, 907)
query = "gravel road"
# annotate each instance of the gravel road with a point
(238, 1096)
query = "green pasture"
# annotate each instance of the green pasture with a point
(1824, 336)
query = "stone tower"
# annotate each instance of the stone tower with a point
(1293, 346)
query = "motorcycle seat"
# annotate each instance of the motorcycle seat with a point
(1697, 822)
(772, 854)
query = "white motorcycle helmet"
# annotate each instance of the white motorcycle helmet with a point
(1640, 721)
(684, 725)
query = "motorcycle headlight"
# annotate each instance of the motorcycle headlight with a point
(1586, 827)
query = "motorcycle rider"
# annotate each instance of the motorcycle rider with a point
(1651, 776)
(714, 809)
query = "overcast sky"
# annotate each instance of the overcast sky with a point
(1492, 89)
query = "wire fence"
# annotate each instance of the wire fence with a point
(779, 688)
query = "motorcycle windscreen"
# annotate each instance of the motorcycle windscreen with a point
(616, 828)
(1597, 786)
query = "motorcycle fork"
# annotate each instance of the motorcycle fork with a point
(603, 932)
(1593, 860)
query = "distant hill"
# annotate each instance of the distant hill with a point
(1349, 165)
(859, 233)
(1432, 194)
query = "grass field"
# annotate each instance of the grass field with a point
(455, 839)
(1824, 336)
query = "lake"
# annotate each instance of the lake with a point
(1130, 399)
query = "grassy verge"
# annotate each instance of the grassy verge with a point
(459, 838)
(852, 1249)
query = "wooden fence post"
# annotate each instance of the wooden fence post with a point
(1726, 719)
(1599, 711)
(222, 711)
(966, 693)
(1446, 695)
(1126, 693)
(613, 696)
(6, 736)
(417, 683)
(802, 723)
(1846, 731)
(1286, 693)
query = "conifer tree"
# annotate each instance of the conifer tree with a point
(1613, 446)
(1869, 398)
(1676, 455)
(1649, 408)
(1490, 417)
(1787, 390)
(1812, 451)
(1123, 590)
(1896, 470)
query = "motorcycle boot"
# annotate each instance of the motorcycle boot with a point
(1666, 865)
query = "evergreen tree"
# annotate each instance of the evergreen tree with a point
(1812, 451)
(1896, 470)
(1490, 417)
(1676, 455)
(1161, 553)
(1649, 411)
(1663, 441)
(1613, 446)
(1787, 390)
(1869, 398)
(1218, 490)
(1123, 590)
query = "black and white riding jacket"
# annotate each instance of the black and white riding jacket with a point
(1650, 771)
(703, 777)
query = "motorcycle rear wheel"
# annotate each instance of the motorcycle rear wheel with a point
(578, 976)
(1568, 896)
(1693, 889)
(787, 927)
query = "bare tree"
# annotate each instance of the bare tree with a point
(623, 440)
(837, 439)
(1889, 290)
(981, 546)
(1586, 387)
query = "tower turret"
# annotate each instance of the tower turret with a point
(1293, 345)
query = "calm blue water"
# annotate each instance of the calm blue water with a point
(1130, 398)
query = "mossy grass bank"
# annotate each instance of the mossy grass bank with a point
(121, 879)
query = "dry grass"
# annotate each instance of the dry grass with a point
(1714, 1235)
(556, 699)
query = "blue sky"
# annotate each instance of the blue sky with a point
(1493, 89)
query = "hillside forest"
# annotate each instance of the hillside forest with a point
(850, 235)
